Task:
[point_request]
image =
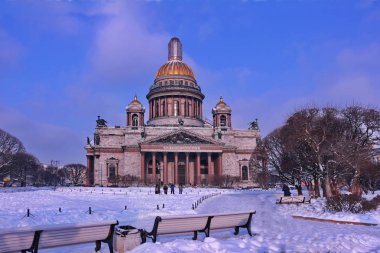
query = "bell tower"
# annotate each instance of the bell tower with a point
(221, 115)
(135, 114)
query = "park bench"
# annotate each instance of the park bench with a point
(172, 225)
(293, 200)
(13, 240)
(232, 220)
(58, 235)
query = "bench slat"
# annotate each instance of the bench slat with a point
(16, 242)
(229, 221)
(168, 226)
(54, 238)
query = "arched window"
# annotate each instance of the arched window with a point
(175, 108)
(112, 171)
(244, 173)
(135, 120)
(223, 121)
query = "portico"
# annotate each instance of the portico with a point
(182, 158)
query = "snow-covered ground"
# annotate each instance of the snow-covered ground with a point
(274, 227)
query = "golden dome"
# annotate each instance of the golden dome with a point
(175, 68)
(221, 105)
(135, 101)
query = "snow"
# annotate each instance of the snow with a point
(273, 225)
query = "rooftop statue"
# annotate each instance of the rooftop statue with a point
(254, 125)
(101, 122)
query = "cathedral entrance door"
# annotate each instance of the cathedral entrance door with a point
(181, 173)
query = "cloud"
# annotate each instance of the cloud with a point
(354, 77)
(46, 141)
(351, 76)
(124, 47)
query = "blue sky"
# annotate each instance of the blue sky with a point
(63, 63)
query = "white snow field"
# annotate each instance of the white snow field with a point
(273, 225)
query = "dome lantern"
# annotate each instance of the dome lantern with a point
(175, 49)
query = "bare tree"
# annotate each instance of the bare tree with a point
(354, 150)
(325, 144)
(9, 145)
(76, 173)
(23, 166)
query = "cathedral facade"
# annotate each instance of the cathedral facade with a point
(176, 145)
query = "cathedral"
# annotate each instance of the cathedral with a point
(177, 144)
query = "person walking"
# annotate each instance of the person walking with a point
(157, 189)
(172, 188)
(180, 188)
(299, 189)
(165, 189)
(286, 190)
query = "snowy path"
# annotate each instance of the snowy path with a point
(279, 232)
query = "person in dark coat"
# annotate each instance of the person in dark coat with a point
(172, 188)
(180, 188)
(299, 190)
(286, 190)
(165, 189)
(157, 189)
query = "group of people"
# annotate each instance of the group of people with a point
(166, 188)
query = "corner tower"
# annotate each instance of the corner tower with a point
(221, 115)
(135, 114)
(175, 98)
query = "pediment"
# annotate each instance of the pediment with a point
(180, 138)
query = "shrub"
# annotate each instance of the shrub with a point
(344, 203)
(371, 205)
(351, 203)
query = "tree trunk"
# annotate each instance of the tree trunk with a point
(334, 188)
(327, 187)
(317, 193)
(356, 188)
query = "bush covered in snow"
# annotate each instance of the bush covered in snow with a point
(351, 203)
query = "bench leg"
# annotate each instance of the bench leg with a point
(236, 231)
(98, 245)
(249, 229)
(195, 235)
(154, 238)
(110, 246)
(207, 232)
(143, 236)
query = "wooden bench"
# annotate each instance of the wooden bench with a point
(293, 200)
(16, 239)
(58, 235)
(232, 220)
(172, 225)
